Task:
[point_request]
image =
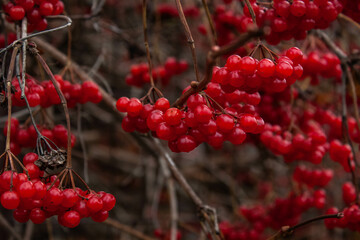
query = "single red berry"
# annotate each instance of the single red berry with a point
(122, 104)
(17, 13)
(162, 104)
(94, 204)
(100, 216)
(172, 116)
(37, 216)
(46, 8)
(10, 200)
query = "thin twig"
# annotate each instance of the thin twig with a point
(146, 41)
(68, 24)
(210, 21)
(189, 37)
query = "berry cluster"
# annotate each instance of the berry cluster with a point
(351, 9)
(292, 19)
(342, 154)
(310, 147)
(35, 11)
(186, 129)
(312, 178)
(350, 220)
(26, 137)
(35, 199)
(45, 94)
(319, 64)
(251, 75)
(139, 73)
(283, 211)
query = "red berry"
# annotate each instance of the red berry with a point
(17, 13)
(10, 200)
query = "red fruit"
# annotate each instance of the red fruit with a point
(46, 8)
(236, 136)
(248, 65)
(203, 113)
(17, 13)
(94, 204)
(134, 107)
(40, 190)
(54, 196)
(70, 198)
(298, 8)
(26, 189)
(10, 200)
(266, 68)
(71, 219)
(37, 216)
(122, 104)
(162, 104)
(30, 158)
(225, 123)
(100, 216)
(172, 116)
(186, 143)
(82, 209)
(21, 215)
(108, 201)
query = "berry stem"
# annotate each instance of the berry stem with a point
(189, 37)
(63, 102)
(251, 10)
(8, 92)
(210, 21)
(146, 41)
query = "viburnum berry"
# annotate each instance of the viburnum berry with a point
(17, 13)
(10, 200)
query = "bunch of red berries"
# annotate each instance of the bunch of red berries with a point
(139, 73)
(312, 178)
(251, 75)
(292, 19)
(351, 9)
(350, 219)
(310, 147)
(33, 198)
(35, 11)
(26, 137)
(45, 94)
(320, 64)
(342, 154)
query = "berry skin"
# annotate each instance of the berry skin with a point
(122, 104)
(94, 204)
(108, 201)
(46, 8)
(71, 219)
(225, 123)
(248, 65)
(186, 143)
(26, 189)
(172, 116)
(162, 104)
(100, 216)
(21, 215)
(266, 68)
(17, 13)
(37, 216)
(203, 113)
(10, 200)
(298, 8)
(134, 107)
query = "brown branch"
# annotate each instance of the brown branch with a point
(127, 229)
(210, 61)
(287, 231)
(350, 20)
(210, 21)
(189, 37)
